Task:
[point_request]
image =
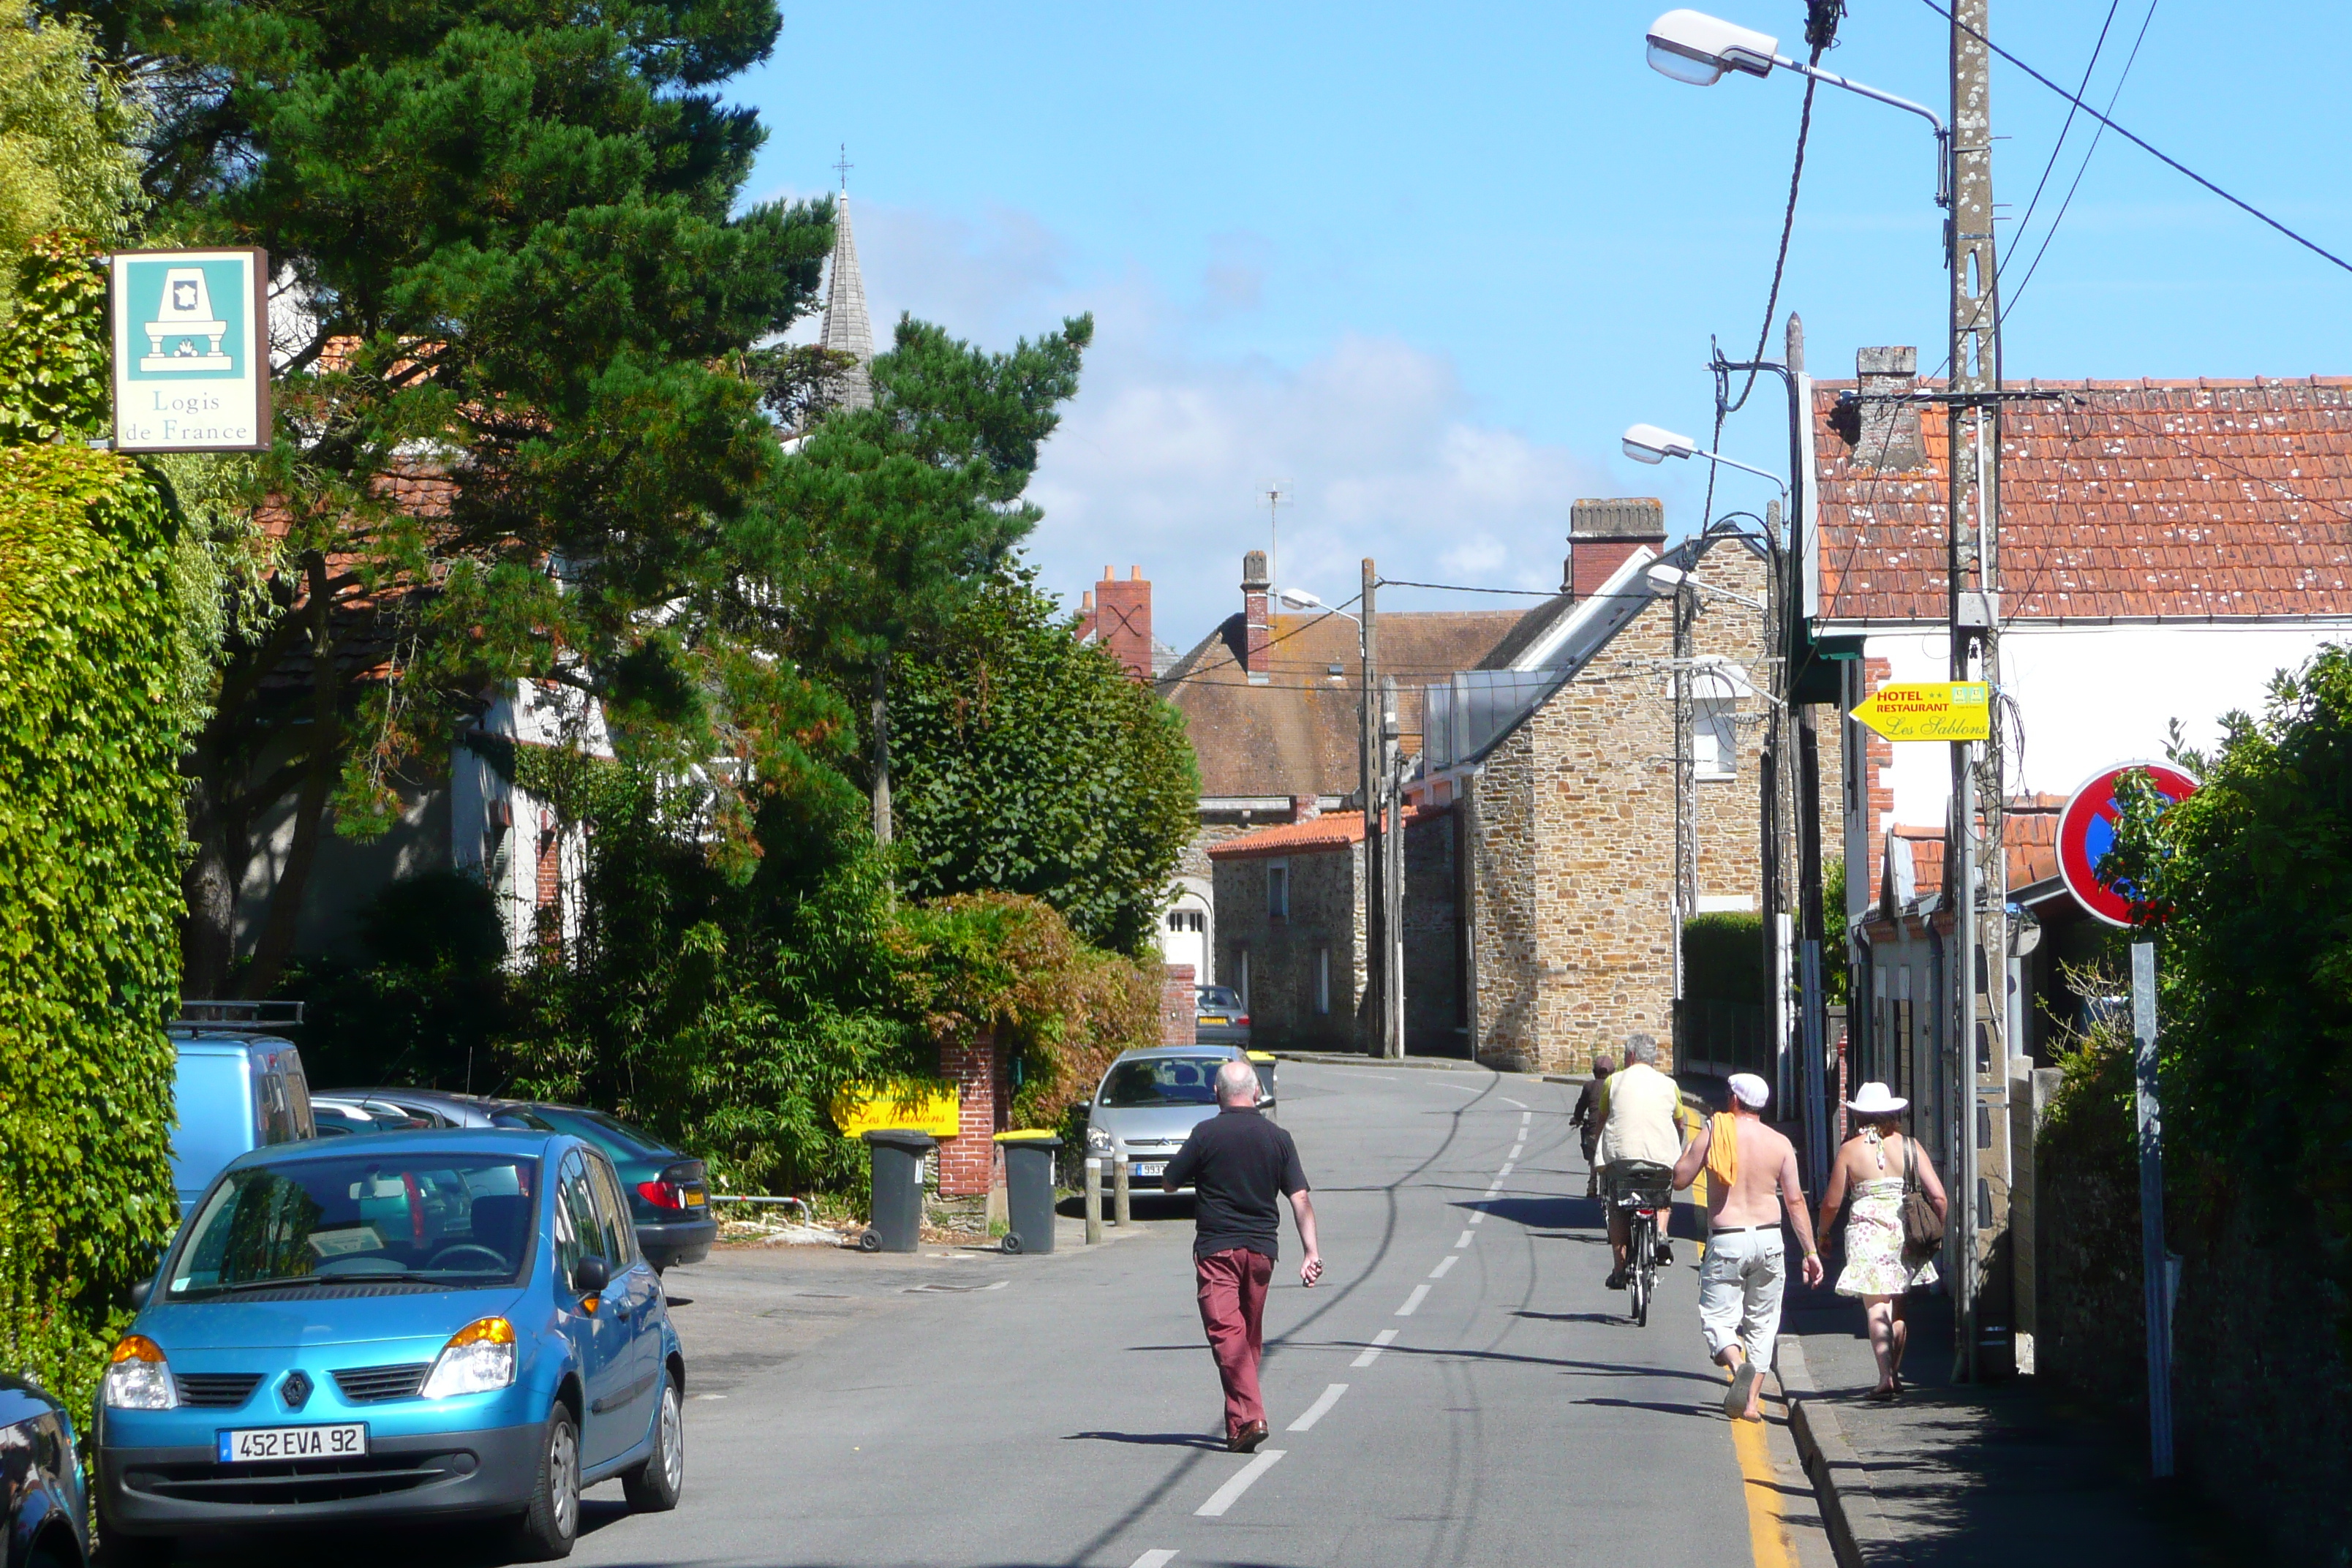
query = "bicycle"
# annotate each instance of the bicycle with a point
(1643, 1193)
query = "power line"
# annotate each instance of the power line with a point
(2059, 145)
(2052, 232)
(1460, 588)
(2142, 143)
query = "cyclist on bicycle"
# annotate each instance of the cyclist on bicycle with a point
(1588, 1125)
(1641, 1139)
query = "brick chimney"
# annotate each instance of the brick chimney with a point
(1256, 623)
(1602, 534)
(1889, 433)
(1123, 620)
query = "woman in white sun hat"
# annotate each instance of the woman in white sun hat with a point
(1873, 1168)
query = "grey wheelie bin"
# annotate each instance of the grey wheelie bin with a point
(898, 1208)
(1029, 1190)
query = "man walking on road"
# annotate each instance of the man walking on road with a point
(1640, 1138)
(1752, 1170)
(1238, 1164)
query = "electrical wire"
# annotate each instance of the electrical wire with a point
(1460, 588)
(2051, 164)
(2142, 143)
(2050, 233)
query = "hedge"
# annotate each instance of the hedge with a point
(90, 830)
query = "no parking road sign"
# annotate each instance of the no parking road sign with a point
(2086, 831)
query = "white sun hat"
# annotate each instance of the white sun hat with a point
(1873, 1100)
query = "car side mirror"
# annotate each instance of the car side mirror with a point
(590, 1276)
(140, 1293)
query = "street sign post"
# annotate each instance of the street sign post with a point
(1929, 711)
(191, 336)
(2086, 831)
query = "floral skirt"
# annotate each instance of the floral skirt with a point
(1874, 1244)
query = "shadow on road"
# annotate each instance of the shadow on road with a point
(1150, 1439)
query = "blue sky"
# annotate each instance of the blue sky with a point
(1426, 263)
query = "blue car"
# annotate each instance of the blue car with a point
(454, 1323)
(42, 1516)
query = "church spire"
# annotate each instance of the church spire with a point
(846, 328)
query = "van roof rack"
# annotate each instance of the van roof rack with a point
(274, 1015)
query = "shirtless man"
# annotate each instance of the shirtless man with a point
(1740, 1284)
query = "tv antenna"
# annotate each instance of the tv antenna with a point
(1276, 495)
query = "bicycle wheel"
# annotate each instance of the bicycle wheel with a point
(1638, 1277)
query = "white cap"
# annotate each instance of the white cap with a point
(1751, 1091)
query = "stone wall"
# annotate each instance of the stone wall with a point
(1730, 811)
(1325, 918)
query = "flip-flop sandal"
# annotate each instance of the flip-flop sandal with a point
(1743, 1384)
(1883, 1395)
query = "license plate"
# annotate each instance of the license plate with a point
(1147, 1169)
(253, 1444)
(1214, 1018)
(695, 1200)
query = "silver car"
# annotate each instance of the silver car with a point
(1149, 1101)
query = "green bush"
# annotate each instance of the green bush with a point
(1723, 959)
(90, 838)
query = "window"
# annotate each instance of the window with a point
(1715, 737)
(620, 1231)
(1277, 890)
(1323, 980)
(1192, 921)
(578, 1231)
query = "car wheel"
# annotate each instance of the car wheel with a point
(551, 1523)
(654, 1486)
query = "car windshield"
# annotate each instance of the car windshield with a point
(1162, 1080)
(1219, 999)
(463, 1220)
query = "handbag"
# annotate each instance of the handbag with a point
(1923, 1227)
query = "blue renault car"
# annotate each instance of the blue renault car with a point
(427, 1325)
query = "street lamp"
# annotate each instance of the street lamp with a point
(1695, 47)
(1648, 444)
(1300, 599)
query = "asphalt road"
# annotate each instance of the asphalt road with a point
(1459, 1390)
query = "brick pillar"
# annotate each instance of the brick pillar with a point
(1178, 1011)
(968, 1162)
(1123, 620)
(1257, 627)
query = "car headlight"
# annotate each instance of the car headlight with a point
(1097, 1141)
(479, 1358)
(139, 1378)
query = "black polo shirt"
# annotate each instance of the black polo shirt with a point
(1241, 1166)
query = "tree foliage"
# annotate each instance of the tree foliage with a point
(90, 838)
(1032, 763)
(67, 163)
(2246, 887)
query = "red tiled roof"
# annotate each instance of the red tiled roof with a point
(2029, 830)
(1332, 830)
(2144, 500)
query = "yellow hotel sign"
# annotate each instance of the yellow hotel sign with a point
(921, 1108)
(1929, 711)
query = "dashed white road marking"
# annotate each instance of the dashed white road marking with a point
(1465, 1238)
(1412, 1302)
(1520, 1103)
(1478, 1217)
(1225, 1495)
(1380, 1341)
(1459, 1088)
(1158, 1559)
(1449, 1259)
(1495, 1188)
(1508, 1166)
(1515, 1149)
(1319, 1409)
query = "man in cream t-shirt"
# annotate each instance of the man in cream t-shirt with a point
(1639, 1113)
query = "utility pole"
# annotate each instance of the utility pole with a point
(1375, 1012)
(1977, 1114)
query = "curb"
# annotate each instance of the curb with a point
(1859, 1534)
(1351, 1059)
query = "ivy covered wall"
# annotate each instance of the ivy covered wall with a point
(90, 838)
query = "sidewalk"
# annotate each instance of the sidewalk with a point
(1958, 1474)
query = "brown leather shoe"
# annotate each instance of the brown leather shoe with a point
(1246, 1441)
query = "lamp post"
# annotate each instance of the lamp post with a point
(1649, 444)
(1691, 46)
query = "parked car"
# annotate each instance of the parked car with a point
(1148, 1102)
(44, 1510)
(232, 1090)
(476, 1335)
(1218, 1017)
(338, 1115)
(669, 1190)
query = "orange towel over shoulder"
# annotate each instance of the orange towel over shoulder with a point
(1722, 1149)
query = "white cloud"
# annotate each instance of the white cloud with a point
(1161, 460)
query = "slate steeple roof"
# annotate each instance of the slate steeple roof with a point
(846, 328)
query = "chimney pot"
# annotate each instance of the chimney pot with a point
(1107, 574)
(1603, 535)
(1257, 637)
(1135, 573)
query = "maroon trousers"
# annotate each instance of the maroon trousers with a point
(1233, 1309)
